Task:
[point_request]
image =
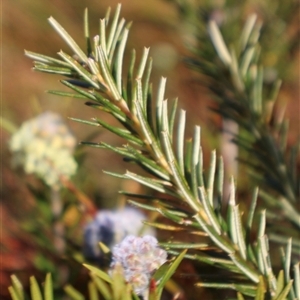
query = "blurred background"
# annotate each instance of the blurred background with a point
(156, 24)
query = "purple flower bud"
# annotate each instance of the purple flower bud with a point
(139, 257)
(111, 227)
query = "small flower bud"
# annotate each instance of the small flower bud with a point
(139, 257)
(110, 228)
(44, 146)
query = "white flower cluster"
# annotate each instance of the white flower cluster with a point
(139, 257)
(111, 227)
(44, 146)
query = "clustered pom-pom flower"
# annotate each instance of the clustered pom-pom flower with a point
(44, 146)
(110, 227)
(139, 257)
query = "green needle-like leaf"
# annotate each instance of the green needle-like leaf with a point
(130, 93)
(262, 224)
(280, 283)
(80, 91)
(243, 288)
(220, 181)
(102, 287)
(251, 213)
(250, 272)
(48, 288)
(287, 265)
(148, 136)
(53, 70)
(184, 246)
(246, 61)
(264, 251)
(219, 43)
(172, 117)
(141, 205)
(120, 58)
(122, 151)
(286, 291)
(106, 72)
(81, 71)
(297, 280)
(247, 30)
(66, 94)
(165, 122)
(124, 133)
(112, 32)
(260, 292)
(178, 176)
(180, 140)
(159, 102)
(69, 40)
(46, 59)
(34, 289)
(148, 164)
(99, 273)
(116, 37)
(73, 293)
(87, 32)
(146, 85)
(142, 65)
(93, 293)
(195, 161)
(103, 36)
(85, 122)
(139, 95)
(17, 287)
(13, 293)
(211, 177)
(239, 232)
(167, 274)
(158, 185)
(209, 210)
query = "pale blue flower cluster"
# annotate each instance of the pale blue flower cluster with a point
(110, 227)
(139, 258)
(44, 146)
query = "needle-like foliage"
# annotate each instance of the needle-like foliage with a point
(246, 95)
(186, 195)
